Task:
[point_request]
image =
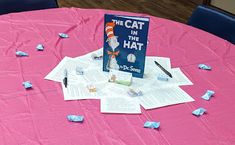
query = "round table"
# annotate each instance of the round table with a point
(38, 116)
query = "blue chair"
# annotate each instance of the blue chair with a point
(10, 6)
(214, 21)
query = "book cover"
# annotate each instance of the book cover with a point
(125, 43)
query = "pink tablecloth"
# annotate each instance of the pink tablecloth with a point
(38, 116)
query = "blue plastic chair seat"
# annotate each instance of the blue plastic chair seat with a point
(214, 21)
(9, 6)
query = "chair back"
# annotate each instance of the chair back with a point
(10, 6)
(214, 21)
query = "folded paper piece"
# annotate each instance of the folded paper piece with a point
(40, 47)
(134, 92)
(208, 95)
(96, 57)
(63, 35)
(162, 77)
(79, 71)
(27, 85)
(21, 53)
(198, 112)
(120, 77)
(91, 88)
(204, 67)
(152, 124)
(75, 118)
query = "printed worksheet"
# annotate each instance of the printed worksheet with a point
(67, 63)
(155, 98)
(117, 100)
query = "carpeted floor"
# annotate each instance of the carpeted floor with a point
(177, 10)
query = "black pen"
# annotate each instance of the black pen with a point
(163, 69)
(65, 80)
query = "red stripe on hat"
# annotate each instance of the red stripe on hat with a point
(109, 29)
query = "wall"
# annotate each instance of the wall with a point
(227, 5)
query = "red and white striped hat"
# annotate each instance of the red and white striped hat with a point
(109, 29)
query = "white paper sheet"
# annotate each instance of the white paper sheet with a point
(120, 105)
(151, 69)
(155, 98)
(163, 61)
(77, 85)
(57, 74)
(88, 58)
(117, 101)
(79, 92)
(178, 79)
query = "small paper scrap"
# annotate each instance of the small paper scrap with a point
(95, 57)
(63, 35)
(27, 85)
(162, 77)
(40, 47)
(204, 67)
(208, 95)
(120, 77)
(198, 112)
(21, 53)
(75, 118)
(134, 92)
(79, 71)
(91, 88)
(152, 124)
